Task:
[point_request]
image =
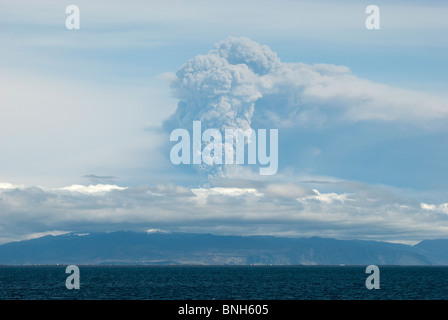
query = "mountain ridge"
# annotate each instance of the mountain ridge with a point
(160, 248)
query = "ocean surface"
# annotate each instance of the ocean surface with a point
(223, 283)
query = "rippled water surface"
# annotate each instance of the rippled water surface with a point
(239, 282)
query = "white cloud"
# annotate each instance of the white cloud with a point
(92, 189)
(8, 186)
(326, 197)
(202, 194)
(149, 231)
(432, 207)
(232, 192)
(46, 233)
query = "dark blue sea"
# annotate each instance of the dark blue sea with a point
(223, 283)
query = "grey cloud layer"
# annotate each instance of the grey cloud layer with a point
(274, 208)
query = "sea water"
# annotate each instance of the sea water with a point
(224, 283)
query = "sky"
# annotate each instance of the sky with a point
(86, 116)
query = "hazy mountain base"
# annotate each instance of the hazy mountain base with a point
(206, 249)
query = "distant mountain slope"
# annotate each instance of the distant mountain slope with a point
(435, 250)
(187, 248)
